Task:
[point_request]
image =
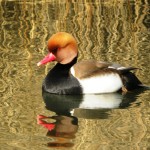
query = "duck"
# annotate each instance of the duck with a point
(69, 76)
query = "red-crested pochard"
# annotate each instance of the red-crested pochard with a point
(85, 77)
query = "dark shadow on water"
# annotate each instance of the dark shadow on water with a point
(63, 126)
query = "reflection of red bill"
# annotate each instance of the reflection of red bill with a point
(40, 121)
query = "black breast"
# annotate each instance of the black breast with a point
(60, 81)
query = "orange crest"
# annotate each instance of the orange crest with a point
(60, 40)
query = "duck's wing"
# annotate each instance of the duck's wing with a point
(89, 68)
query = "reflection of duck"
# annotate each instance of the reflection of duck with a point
(101, 104)
(69, 77)
(63, 126)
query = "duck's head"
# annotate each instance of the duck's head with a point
(62, 48)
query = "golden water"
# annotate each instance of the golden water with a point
(116, 30)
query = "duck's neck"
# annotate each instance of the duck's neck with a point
(63, 68)
(60, 81)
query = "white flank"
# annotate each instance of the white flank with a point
(101, 84)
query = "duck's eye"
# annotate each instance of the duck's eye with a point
(54, 51)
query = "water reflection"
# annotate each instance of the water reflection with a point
(63, 126)
(62, 130)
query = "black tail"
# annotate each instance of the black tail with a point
(144, 86)
(130, 81)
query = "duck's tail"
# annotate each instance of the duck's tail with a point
(144, 86)
(129, 79)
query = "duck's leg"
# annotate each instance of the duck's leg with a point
(124, 90)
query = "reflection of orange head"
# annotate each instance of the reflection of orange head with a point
(64, 127)
(40, 121)
(62, 130)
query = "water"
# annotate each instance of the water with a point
(117, 31)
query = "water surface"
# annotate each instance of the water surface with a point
(114, 31)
